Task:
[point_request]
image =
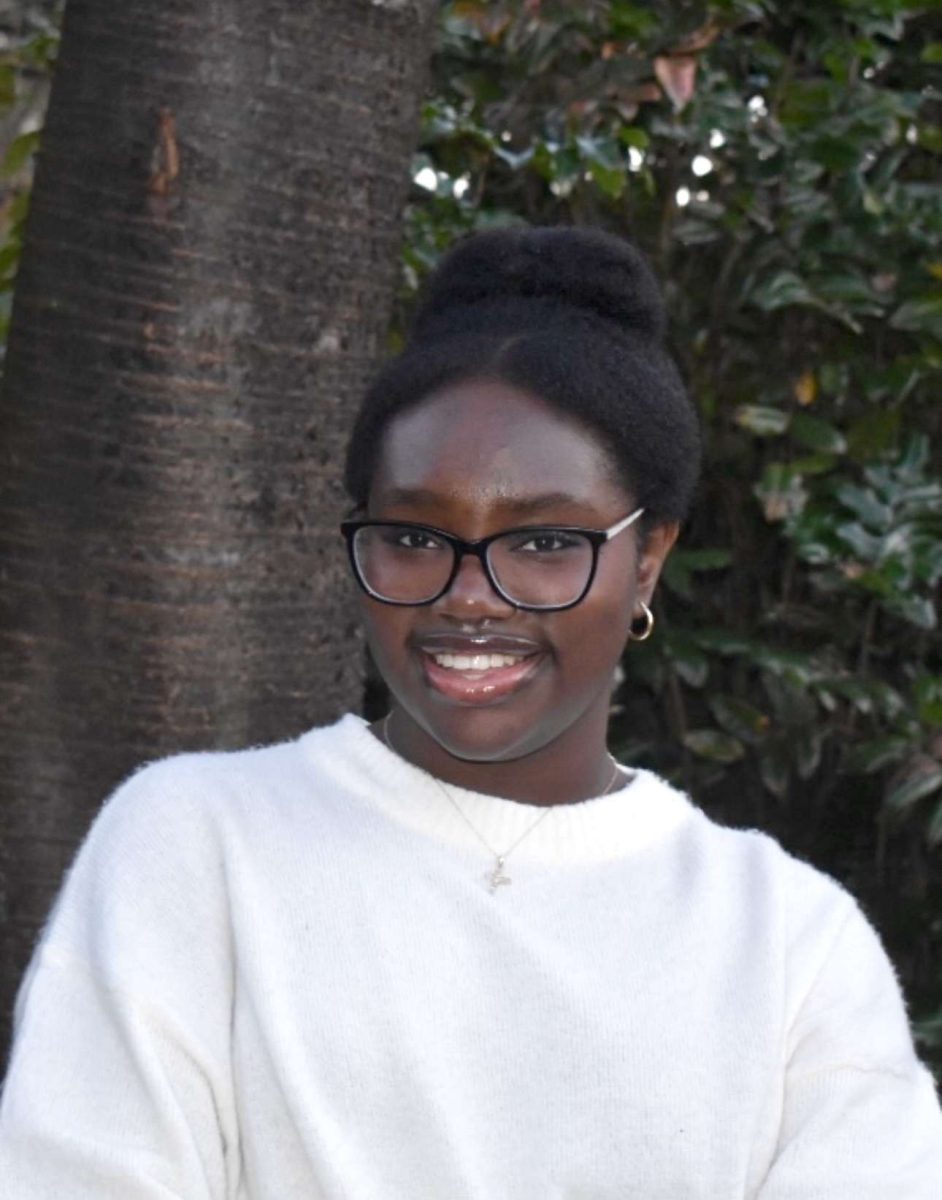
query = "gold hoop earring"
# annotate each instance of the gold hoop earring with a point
(648, 625)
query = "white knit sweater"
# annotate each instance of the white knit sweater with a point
(279, 975)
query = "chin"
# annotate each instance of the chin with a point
(481, 737)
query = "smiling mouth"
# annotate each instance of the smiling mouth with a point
(478, 662)
(478, 678)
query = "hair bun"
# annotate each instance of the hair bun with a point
(586, 269)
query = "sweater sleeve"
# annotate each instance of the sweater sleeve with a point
(116, 1086)
(860, 1118)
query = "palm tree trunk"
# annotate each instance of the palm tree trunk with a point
(208, 269)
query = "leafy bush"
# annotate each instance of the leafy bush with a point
(27, 53)
(779, 162)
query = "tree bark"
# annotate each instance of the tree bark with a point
(208, 267)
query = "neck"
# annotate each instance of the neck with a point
(572, 767)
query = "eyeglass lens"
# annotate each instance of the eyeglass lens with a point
(410, 566)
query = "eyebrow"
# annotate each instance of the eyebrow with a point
(521, 506)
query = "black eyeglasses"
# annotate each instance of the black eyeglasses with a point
(538, 567)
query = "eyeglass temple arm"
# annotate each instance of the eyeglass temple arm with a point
(623, 524)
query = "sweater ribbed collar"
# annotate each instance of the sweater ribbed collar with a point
(644, 812)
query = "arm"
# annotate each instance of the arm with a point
(115, 1088)
(861, 1120)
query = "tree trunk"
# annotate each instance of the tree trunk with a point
(208, 268)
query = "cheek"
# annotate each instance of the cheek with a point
(387, 628)
(609, 635)
(592, 642)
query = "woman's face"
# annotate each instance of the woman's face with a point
(477, 458)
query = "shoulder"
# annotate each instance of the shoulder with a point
(820, 926)
(746, 880)
(759, 861)
(204, 788)
(839, 994)
(741, 883)
(167, 839)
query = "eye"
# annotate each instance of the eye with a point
(547, 541)
(411, 539)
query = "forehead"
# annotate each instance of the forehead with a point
(489, 442)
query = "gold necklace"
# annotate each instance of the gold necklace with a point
(497, 877)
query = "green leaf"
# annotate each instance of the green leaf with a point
(788, 674)
(920, 316)
(632, 20)
(866, 504)
(514, 159)
(814, 464)
(781, 492)
(714, 745)
(543, 161)
(929, 1031)
(677, 578)
(807, 747)
(720, 641)
(934, 837)
(706, 559)
(7, 87)
(9, 259)
(781, 290)
(915, 454)
(775, 769)
(634, 135)
(921, 781)
(610, 180)
(930, 137)
(761, 420)
(691, 664)
(739, 717)
(836, 153)
(817, 434)
(860, 541)
(20, 151)
(868, 696)
(928, 693)
(917, 610)
(872, 756)
(680, 566)
(874, 434)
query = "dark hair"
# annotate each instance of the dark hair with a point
(574, 317)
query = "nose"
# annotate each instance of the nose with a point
(472, 594)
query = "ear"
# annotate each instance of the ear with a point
(657, 546)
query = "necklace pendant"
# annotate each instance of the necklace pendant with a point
(497, 878)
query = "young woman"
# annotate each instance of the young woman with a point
(463, 954)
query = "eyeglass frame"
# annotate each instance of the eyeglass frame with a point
(478, 549)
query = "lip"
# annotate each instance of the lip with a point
(478, 687)
(452, 642)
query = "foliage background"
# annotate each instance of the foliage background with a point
(28, 41)
(779, 161)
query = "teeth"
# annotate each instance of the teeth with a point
(477, 662)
